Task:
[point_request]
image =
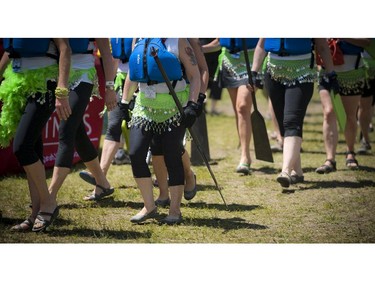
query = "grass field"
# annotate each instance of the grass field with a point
(218, 242)
(333, 208)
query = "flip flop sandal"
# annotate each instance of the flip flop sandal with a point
(105, 192)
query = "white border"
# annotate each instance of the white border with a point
(192, 18)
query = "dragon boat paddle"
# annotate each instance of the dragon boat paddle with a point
(261, 142)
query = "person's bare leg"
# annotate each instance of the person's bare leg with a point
(330, 132)
(108, 153)
(276, 128)
(364, 116)
(292, 148)
(233, 98)
(34, 196)
(97, 173)
(176, 198)
(58, 177)
(243, 108)
(350, 104)
(145, 186)
(189, 174)
(36, 173)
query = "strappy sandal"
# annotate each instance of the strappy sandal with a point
(24, 226)
(326, 169)
(105, 192)
(42, 224)
(349, 162)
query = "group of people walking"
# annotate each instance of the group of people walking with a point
(41, 75)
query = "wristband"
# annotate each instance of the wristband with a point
(61, 93)
(110, 85)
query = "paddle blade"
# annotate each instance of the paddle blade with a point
(261, 142)
(338, 107)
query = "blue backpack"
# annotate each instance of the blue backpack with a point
(288, 46)
(121, 48)
(234, 45)
(80, 45)
(26, 47)
(143, 67)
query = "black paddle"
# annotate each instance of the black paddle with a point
(261, 142)
(154, 53)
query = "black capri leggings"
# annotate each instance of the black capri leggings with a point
(212, 60)
(289, 104)
(114, 131)
(72, 132)
(172, 145)
(28, 141)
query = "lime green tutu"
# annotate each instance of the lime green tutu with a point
(14, 92)
(159, 114)
(289, 72)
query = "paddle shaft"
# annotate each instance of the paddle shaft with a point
(250, 78)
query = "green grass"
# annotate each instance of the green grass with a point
(334, 208)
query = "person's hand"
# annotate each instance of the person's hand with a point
(132, 102)
(190, 114)
(63, 109)
(110, 99)
(333, 82)
(124, 107)
(200, 103)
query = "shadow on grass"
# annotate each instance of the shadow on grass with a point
(266, 170)
(361, 168)
(336, 184)
(108, 202)
(103, 233)
(211, 162)
(81, 232)
(225, 224)
(221, 207)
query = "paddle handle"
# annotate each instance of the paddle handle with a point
(250, 78)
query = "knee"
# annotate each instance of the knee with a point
(25, 154)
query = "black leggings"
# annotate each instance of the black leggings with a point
(72, 132)
(114, 124)
(171, 142)
(28, 141)
(212, 60)
(289, 104)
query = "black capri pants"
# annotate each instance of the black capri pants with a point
(172, 145)
(212, 60)
(114, 130)
(28, 141)
(72, 132)
(289, 104)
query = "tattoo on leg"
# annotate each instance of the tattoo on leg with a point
(189, 51)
